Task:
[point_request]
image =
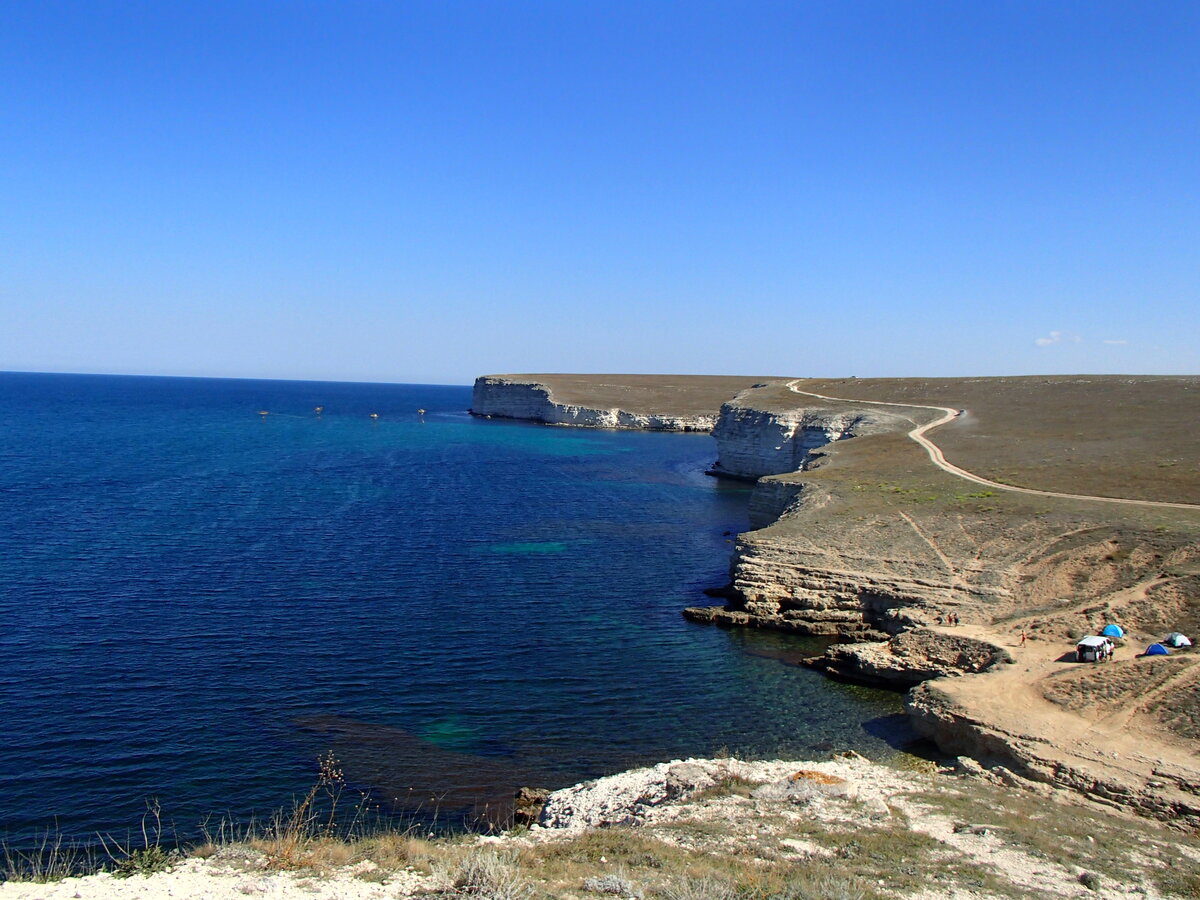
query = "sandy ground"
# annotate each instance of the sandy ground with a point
(1118, 740)
(197, 879)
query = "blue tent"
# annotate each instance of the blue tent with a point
(1111, 630)
(1157, 650)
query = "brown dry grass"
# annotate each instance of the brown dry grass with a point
(1078, 836)
(1109, 435)
(1112, 685)
(816, 777)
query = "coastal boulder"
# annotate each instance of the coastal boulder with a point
(913, 657)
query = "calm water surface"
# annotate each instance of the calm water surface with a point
(197, 600)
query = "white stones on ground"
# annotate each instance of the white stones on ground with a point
(659, 793)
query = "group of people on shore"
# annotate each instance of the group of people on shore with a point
(949, 619)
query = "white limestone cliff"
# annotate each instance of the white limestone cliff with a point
(505, 398)
(754, 440)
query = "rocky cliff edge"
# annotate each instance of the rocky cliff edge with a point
(649, 402)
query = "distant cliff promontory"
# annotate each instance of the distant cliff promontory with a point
(650, 402)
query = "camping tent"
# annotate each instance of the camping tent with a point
(1111, 630)
(1175, 639)
(1157, 650)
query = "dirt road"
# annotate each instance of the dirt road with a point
(939, 459)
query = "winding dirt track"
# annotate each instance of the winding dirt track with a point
(939, 459)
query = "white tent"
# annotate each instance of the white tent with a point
(1176, 639)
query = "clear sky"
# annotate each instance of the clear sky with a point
(428, 190)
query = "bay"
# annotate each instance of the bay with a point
(198, 599)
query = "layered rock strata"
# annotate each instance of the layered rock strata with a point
(1172, 793)
(878, 549)
(817, 571)
(510, 399)
(913, 657)
(755, 440)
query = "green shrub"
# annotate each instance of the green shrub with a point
(145, 861)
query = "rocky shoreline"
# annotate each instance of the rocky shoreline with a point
(861, 541)
(715, 828)
(1043, 760)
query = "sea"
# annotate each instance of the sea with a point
(208, 584)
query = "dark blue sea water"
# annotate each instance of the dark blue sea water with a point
(196, 600)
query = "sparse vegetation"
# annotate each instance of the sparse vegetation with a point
(488, 875)
(974, 495)
(51, 859)
(145, 861)
(613, 883)
(729, 786)
(1090, 880)
(312, 821)
(725, 846)
(147, 858)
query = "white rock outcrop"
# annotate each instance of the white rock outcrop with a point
(661, 792)
(753, 441)
(509, 399)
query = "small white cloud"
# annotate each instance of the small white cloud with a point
(1116, 342)
(1055, 338)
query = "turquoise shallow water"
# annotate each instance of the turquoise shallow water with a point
(197, 600)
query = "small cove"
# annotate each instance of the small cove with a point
(199, 600)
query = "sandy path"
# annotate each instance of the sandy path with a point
(939, 459)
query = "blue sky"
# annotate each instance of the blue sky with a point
(427, 191)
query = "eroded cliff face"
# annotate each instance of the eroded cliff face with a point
(804, 571)
(831, 584)
(1171, 792)
(773, 498)
(913, 657)
(873, 545)
(505, 398)
(754, 441)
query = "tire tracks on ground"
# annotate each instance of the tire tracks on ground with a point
(938, 458)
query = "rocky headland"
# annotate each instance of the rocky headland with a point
(971, 597)
(650, 402)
